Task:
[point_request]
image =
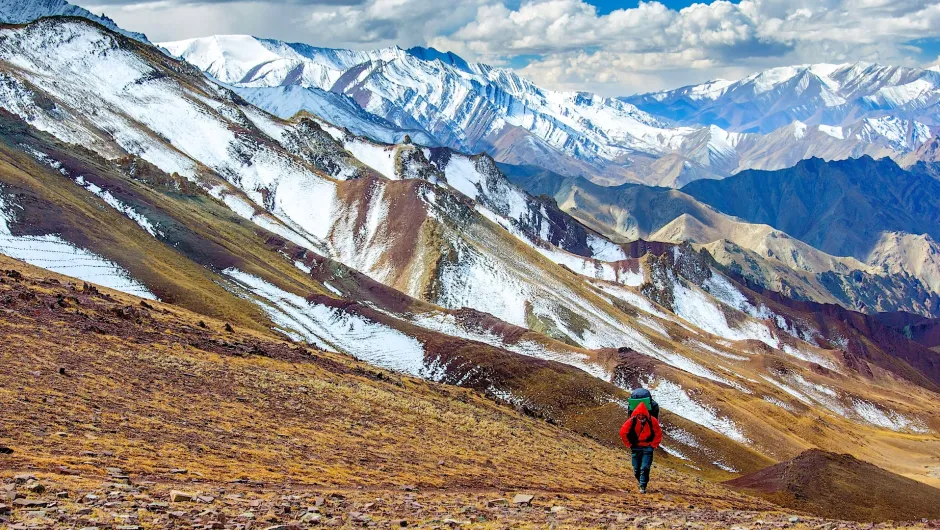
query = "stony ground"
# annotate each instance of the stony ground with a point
(122, 502)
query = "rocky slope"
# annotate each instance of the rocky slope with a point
(244, 429)
(426, 262)
(920, 329)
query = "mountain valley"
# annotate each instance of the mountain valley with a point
(314, 278)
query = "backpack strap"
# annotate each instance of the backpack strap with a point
(631, 433)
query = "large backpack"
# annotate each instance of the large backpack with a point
(642, 395)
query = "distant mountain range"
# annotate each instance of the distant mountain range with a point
(858, 232)
(444, 100)
(831, 95)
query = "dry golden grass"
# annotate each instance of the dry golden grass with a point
(161, 393)
(102, 380)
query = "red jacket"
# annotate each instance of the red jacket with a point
(637, 433)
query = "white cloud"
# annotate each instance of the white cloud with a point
(651, 47)
(641, 48)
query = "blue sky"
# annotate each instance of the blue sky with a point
(606, 46)
(606, 6)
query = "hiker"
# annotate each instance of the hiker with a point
(641, 432)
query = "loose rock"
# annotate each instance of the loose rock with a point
(523, 499)
(181, 496)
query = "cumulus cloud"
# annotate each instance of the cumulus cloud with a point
(333, 23)
(650, 46)
(401, 22)
(567, 43)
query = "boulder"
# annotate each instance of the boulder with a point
(29, 503)
(523, 499)
(181, 496)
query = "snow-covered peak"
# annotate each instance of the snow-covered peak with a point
(902, 135)
(448, 58)
(768, 79)
(816, 94)
(225, 57)
(23, 11)
(465, 105)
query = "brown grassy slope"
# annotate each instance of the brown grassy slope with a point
(157, 389)
(829, 484)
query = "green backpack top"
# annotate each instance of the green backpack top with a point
(634, 402)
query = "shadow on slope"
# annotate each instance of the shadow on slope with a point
(829, 484)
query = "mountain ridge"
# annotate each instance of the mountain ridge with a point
(765, 255)
(813, 189)
(424, 261)
(818, 94)
(21, 12)
(473, 107)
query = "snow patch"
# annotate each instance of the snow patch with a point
(378, 157)
(57, 255)
(334, 329)
(888, 419)
(115, 203)
(696, 308)
(675, 399)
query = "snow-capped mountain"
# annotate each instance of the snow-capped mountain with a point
(474, 107)
(23, 11)
(713, 152)
(467, 106)
(831, 95)
(437, 98)
(289, 100)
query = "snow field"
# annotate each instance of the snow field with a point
(333, 329)
(57, 255)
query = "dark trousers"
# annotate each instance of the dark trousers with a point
(642, 462)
